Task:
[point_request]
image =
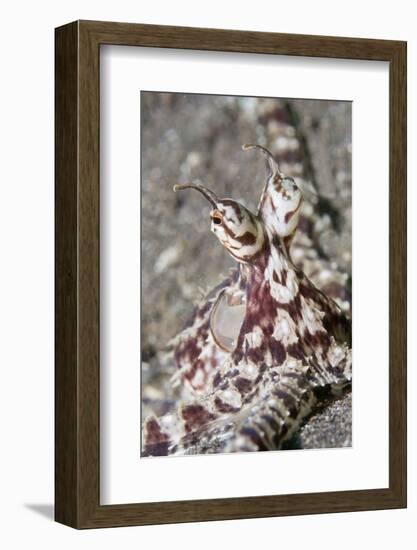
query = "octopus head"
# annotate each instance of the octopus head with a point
(236, 227)
(281, 199)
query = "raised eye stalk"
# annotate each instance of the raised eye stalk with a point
(269, 156)
(209, 195)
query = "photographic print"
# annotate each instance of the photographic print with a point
(245, 274)
(203, 269)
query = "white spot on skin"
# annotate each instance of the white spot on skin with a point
(312, 317)
(230, 397)
(292, 363)
(281, 293)
(248, 370)
(335, 355)
(199, 378)
(292, 283)
(285, 328)
(254, 339)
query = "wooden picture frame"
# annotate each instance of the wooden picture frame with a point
(77, 374)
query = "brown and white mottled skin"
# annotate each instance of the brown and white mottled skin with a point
(266, 348)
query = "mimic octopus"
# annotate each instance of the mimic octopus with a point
(266, 348)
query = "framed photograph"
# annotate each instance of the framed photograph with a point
(230, 274)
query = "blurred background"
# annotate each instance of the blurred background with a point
(187, 137)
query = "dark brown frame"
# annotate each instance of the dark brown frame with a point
(77, 373)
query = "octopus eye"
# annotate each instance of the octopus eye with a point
(217, 219)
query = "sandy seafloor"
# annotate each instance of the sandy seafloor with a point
(199, 138)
